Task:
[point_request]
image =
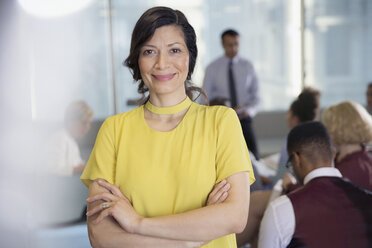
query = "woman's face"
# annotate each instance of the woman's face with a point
(292, 120)
(164, 61)
(79, 128)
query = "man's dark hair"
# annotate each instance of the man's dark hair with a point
(369, 84)
(230, 32)
(312, 140)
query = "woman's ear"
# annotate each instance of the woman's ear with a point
(296, 120)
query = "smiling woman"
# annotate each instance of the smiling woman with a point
(147, 27)
(171, 173)
(164, 62)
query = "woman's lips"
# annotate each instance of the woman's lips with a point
(163, 78)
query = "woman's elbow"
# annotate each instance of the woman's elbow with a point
(93, 236)
(240, 221)
(240, 226)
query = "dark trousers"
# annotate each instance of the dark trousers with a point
(249, 136)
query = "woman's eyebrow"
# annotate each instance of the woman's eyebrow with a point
(169, 45)
(150, 45)
(176, 43)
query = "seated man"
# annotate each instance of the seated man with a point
(328, 211)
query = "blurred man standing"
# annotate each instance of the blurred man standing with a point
(234, 78)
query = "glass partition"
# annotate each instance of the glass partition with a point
(338, 38)
(69, 60)
(80, 55)
(270, 38)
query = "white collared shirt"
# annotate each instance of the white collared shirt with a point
(246, 84)
(278, 223)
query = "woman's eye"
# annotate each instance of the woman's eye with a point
(175, 50)
(148, 52)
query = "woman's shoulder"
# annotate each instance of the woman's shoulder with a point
(217, 111)
(133, 114)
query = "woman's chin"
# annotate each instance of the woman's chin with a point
(166, 89)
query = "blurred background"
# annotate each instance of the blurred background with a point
(57, 51)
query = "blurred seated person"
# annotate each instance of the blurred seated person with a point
(369, 98)
(63, 154)
(304, 108)
(328, 211)
(350, 128)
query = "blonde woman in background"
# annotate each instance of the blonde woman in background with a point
(350, 128)
(63, 153)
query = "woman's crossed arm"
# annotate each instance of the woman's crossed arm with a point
(120, 224)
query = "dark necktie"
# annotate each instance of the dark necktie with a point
(232, 89)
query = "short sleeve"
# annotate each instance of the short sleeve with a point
(232, 153)
(102, 160)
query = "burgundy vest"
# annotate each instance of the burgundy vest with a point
(358, 168)
(332, 212)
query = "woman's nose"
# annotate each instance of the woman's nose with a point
(162, 61)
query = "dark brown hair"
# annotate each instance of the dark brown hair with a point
(143, 31)
(306, 105)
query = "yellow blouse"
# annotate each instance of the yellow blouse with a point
(164, 173)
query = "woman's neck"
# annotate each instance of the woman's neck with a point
(166, 100)
(345, 150)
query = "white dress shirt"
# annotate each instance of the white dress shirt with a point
(216, 82)
(63, 154)
(278, 223)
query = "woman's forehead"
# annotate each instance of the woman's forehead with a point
(169, 35)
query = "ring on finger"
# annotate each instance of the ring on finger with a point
(105, 205)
